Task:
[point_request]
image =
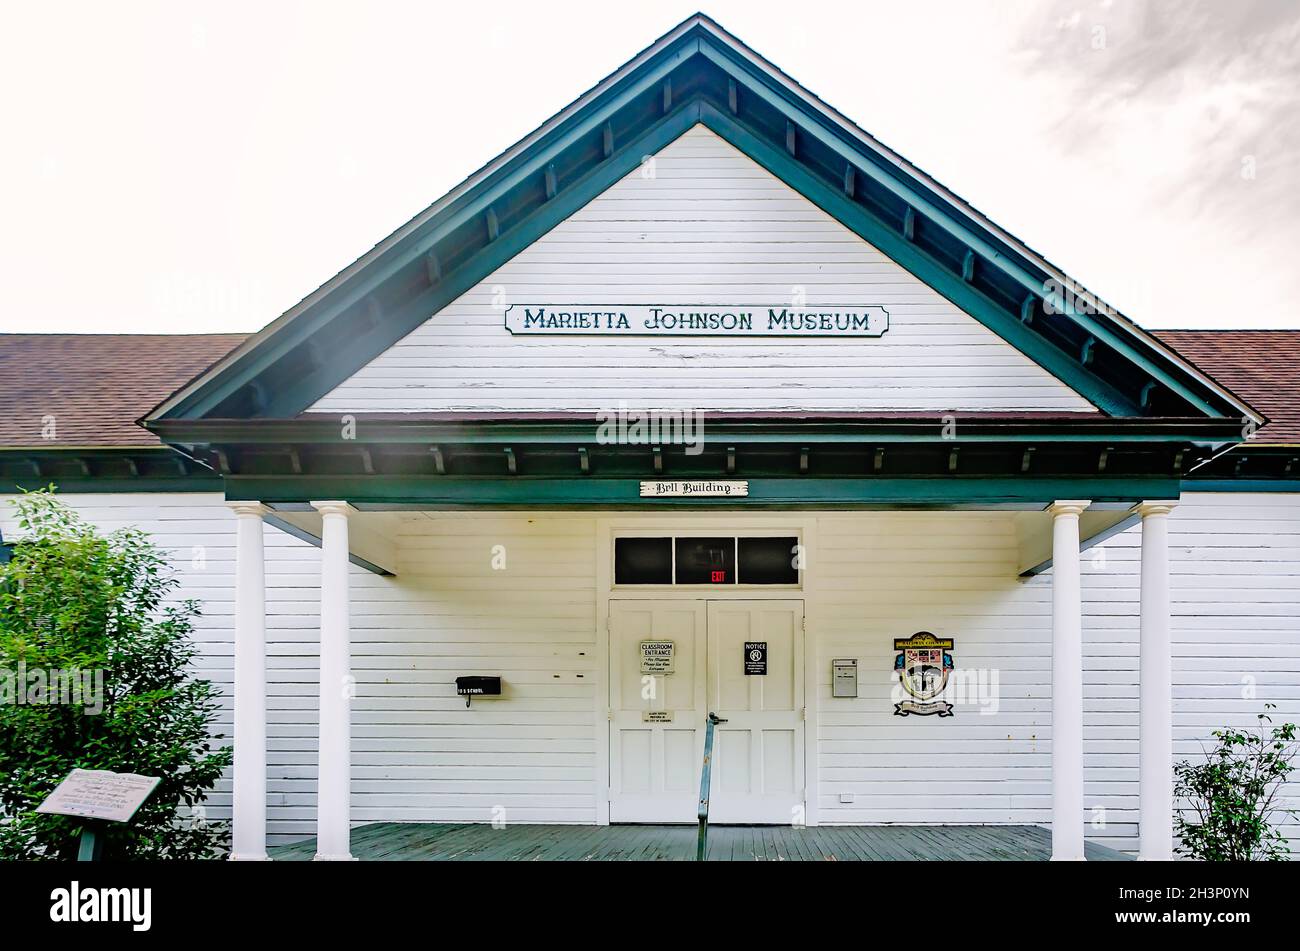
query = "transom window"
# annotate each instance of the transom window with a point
(707, 560)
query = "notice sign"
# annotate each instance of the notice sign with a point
(656, 657)
(755, 658)
(697, 320)
(682, 488)
(99, 794)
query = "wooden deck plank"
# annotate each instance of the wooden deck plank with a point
(807, 847)
(422, 842)
(769, 840)
(781, 846)
(790, 845)
(872, 843)
(742, 848)
(810, 846)
(586, 842)
(637, 841)
(736, 850)
(863, 841)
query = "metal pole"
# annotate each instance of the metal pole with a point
(91, 843)
(702, 841)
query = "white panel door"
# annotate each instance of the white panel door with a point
(758, 754)
(654, 763)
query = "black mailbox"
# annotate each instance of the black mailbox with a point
(471, 687)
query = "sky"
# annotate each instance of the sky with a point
(178, 167)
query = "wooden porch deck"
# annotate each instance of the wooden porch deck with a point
(434, 842)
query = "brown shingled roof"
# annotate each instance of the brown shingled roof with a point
(95, 386)
(1260, 366)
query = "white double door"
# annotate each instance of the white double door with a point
(657, 720)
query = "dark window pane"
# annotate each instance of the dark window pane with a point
(643, 561)
(768, 561)
(706, 561)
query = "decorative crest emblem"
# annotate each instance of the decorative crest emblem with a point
(923, 665)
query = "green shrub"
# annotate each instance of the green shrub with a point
(1231, 796)
(73, 598)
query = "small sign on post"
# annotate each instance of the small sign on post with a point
(98, 795)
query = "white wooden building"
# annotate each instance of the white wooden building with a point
(700, 375)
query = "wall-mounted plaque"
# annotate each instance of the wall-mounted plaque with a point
(683, 488)
(844, 677)
(755, 658)
(656, 716)
(923, 665)
(656, 657)
(697, 320)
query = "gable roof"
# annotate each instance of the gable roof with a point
(698, 73)
(1261, 366)
(94, 386)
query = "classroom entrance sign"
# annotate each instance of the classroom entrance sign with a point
(656, 657)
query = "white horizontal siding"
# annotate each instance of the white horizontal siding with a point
(197, 531)
(527, 757)
(1236, 620)
(531, 756)
(708, 227)
(417, 753)
(1235, 593)
(881, 576)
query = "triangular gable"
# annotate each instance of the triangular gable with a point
(701, 222)
(698, 74)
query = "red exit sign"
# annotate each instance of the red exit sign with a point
(719, 577)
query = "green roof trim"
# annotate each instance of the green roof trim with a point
(1242, 485)
(581, 429)
(697, 73)
(563, 466)
(451, 492)
(145, 469)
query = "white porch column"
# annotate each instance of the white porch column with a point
(248, 826)
(1067, 683)
(335, 780)
(1155, 691)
